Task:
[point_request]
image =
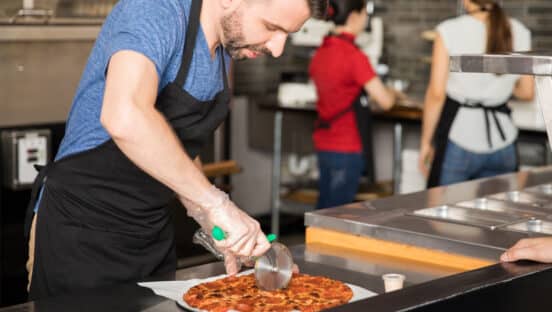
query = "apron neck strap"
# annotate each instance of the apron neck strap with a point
(224, 77)
(189, 45)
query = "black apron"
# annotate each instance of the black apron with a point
(363, 118)
(440, 137)
(102, 220)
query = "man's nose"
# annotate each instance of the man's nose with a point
(277, 43)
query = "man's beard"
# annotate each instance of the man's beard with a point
(234, 40)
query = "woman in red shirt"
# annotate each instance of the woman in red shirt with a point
(341, 72)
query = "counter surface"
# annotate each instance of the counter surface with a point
(131, 297)
(526, 115)
(383, 218)
(395, 219)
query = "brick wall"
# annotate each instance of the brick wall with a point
(62, 7)
(404, 49)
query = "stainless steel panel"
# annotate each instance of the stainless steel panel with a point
(489, 204)
(523, 198)
(39, 80)
(516, 63)
(389, 218)
(469, 216)
(533, 226)
(448, 237)
(543, 189)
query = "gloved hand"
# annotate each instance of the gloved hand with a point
(244, 237)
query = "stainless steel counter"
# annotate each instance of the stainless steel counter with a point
(346, 267)
(479, 219)
(341, 265)
(390, 219)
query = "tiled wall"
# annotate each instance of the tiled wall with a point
(404, 49)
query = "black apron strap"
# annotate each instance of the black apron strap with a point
(327, 123)
(224, 74)
(503, 108)
(189, 45)
(35, 193)
(440, 140)
(363, 116)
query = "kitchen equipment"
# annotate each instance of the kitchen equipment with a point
(523, 198)
(543, 189)
(273, 270)
(533, 226)
(491, 204)
(21, 151)
(470, 216)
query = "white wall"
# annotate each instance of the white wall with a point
(251, 187)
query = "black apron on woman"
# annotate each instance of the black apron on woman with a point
(363, 118)
(440, 137)
(101, 219)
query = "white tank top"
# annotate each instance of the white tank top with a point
(468, 35)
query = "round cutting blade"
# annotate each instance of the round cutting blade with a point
(273, 270)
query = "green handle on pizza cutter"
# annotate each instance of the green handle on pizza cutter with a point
(219, 234)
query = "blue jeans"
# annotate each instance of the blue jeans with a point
(461, 165)
(339, 178)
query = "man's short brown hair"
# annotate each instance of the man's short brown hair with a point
(318, 8)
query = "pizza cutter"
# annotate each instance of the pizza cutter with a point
(273, 269)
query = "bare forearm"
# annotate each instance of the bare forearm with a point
(145, 137)
(432, 111)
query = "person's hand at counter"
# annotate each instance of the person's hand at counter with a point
(536, 249)
(426, 157)
(383, 96)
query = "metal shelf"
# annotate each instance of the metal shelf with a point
(527, 63)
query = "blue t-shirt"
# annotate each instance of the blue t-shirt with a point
(156, 29)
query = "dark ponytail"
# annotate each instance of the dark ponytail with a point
(499, 32)
(339, 10)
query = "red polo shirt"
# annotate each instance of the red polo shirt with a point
(339, 70)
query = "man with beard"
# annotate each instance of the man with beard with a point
(153, 90)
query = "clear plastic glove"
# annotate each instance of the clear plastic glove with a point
(233, 265)
(244, 237)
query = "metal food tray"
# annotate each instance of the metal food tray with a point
(524, 198)
(469, 216)
(508, 207)
(541, 190)
(532, 226)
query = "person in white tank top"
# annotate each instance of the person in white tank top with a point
(467, 131)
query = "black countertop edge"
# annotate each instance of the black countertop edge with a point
(449, 289)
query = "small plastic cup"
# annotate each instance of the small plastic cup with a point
(393, 281)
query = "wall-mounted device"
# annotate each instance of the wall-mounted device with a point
(21, 151)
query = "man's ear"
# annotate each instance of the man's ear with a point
(230, 5)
